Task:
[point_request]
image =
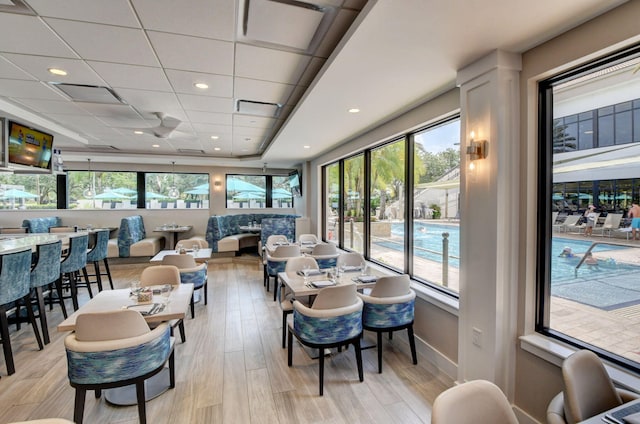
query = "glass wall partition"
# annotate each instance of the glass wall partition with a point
(353, 184)
(587, 283)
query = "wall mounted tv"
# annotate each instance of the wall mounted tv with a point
(29, 148)
(295, 183)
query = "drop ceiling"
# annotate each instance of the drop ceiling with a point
(281, 74)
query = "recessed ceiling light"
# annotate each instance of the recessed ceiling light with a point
(354, 110)
(214, 137)
(56, 71)
(138, 132)
(155, 145)
(307, 147)
(201, 85)
(217, 149)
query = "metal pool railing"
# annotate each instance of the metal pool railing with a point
(593, 245)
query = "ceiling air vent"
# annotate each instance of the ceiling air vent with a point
(102, 148)
(191, 151)
(250, 107)
(88, 93)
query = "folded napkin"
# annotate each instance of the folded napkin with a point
(632, 419)
(147, 308)
(308, 242)
(348, 268)
(367, 278)
(310, 272)
(323, 283)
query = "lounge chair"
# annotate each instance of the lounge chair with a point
(569, 222)
(611, 223)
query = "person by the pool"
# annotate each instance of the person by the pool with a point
(567, 252)
(634, 214)
(591, 215)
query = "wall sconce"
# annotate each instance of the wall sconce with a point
(476, 150)
(217, 184)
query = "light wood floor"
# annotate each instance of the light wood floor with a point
(232, 369)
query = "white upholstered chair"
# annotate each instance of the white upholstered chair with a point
(159, 275)
(190, 272)
(473, 402)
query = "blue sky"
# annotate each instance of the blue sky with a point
(441, 138)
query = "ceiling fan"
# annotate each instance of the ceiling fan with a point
(167, 127)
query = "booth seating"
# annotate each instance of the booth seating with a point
(133, 240)
(224, 233)
(41, 225)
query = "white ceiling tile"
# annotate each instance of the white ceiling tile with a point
(108, 110)
(209, 118)
(106, 43)
(132, 76)
(269, 65)
(38, 39)
(200, 18)
(152, 101)
(206, 103)
(53, 106)
(11, 71)
(251, 131)
(113, 12)
(193, 53)
(77, 70)
(21, 89)
(261, 91)
(183, 82)
(212, 129)
(252, 121)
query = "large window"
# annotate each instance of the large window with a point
(588, 284)
(398, 204)
(176, 191)
(258, 191)
(102, 190)
(28, 191)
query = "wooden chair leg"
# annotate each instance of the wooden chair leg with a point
(183, 335)
(321, 368)
(142, 410)
(358, 349)
(43, 316)
(78, 409)
(379, 336)
(32, 320)
(206, 289)
(193, 309)
(60, 298)
(289, 347)
(97, 393)
(172, 371)
(106, 267)
(284, 329)
(74, 290)
(96, 267)
(412, 344)
(6, 342)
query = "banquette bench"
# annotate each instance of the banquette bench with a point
(224, 233)
(132, 240)
(41, 225)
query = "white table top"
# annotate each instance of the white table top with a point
(202, 255)
(298, 287)
(600, 418)
(111, 300)
(176, 229)
(11, 242)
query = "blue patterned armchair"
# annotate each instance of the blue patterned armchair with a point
(115, 349)
(277, 261)
(326, 254)
(388, 308)
(133, 240)
(41, 225)
(334, 320)
(190, 272)
(95, 255)
(73, 263)
(45, 272)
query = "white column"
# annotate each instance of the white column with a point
(489, 216)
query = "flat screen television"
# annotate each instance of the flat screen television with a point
(29, 147)
(295, 183)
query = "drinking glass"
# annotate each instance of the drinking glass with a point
(196, 248)
(135, 289)
(305, 273)
(165, 292)
(363, 268)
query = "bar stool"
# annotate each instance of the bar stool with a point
(95, 255)
(46, 271)
(73, 263)
(15, 288)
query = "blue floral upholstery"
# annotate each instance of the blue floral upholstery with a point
(99, 251)
(77, 258)
(274, 267)
(388, 315)
(327, 262)
(47, 269)
(41, 225)
(274, 226)
(196, 276)
(14, 275)
(131, 231)
(221, 226)
(327, 330)
(120, 364)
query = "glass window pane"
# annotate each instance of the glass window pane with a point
(28, 192)
(636, 125)
(281, 196)
(332, 208)
(387, 212)
(436, 202)
(102, 190)
(585, 134)
(354, 203)
(588, 294)
(166, 190)
(246, 191)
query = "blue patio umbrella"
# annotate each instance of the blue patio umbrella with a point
(281, 193)
(123, 190)
(110, 195)
(557, 196)
(204, 186)
(235, 184)
(152, 195)
(13, 193)
(197, 190)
